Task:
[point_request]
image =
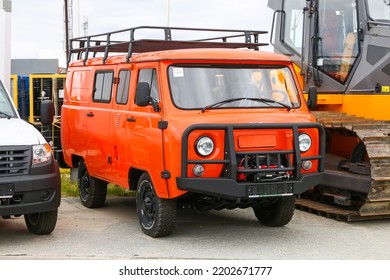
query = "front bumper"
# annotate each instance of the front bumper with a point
(231, 189)
(38, 191)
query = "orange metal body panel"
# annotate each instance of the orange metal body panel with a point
(111, 145)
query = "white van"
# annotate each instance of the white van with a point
(30, 182)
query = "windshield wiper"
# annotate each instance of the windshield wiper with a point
(5, 114)
(263, 100)
(220, 103)
(266, 100)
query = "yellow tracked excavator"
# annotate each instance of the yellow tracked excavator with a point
(341, 49)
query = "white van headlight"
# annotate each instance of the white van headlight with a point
(41, 153)
(204, 146)
(304, 142)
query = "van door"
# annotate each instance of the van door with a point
(73, 112)
(98, 118)
(145, 149)
(119, 128)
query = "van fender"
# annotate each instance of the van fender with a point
(159, 183)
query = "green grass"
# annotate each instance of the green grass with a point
(69, 189)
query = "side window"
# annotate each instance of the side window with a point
(338, 47)
(293, 28)
(103, 86)
(122, 93)
(149, 76)
(81, 81)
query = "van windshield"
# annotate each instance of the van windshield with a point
(202, 86)
(6, 108)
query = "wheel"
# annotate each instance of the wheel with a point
(92, 191)
(41, 223)
(277, 214)
(156, 215)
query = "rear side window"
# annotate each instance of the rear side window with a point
(103, 86)
(122, 93)
(81, 82)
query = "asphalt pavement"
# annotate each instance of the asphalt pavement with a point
(113, 232)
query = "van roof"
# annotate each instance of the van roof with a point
(190, 54)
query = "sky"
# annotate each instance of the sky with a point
(38, 26)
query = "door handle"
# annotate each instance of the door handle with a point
(90, 114)
(131, 119)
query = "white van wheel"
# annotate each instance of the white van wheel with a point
(41, 223)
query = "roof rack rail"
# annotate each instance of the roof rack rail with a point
(124, 41)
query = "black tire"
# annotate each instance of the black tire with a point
(41, 223)
(92, 191)
(277, 214)
(156, 216)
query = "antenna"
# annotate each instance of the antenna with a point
(168, 11)
(85, 26)
(68, 19)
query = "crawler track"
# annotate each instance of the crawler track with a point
(376, 138)
(334, 212)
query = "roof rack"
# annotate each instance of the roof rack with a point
(124, 41)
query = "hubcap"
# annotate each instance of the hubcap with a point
(84, 186)
(148, 210)
(148, 204)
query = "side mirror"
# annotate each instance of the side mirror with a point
(47, 112)
(142, 94)
(312, 97)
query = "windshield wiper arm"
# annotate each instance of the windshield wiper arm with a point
(263, 100)
(220, 103)
(266, 100)
(5, 114)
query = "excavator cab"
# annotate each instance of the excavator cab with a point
(342, 48)
(321, 37)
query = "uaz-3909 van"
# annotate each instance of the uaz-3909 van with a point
(30, 182)
(200, 123)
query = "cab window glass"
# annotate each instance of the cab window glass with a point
(379, 10)
(149, 76)
(122, 93)
(337, 43)
(6, 108)
(232, 86)
(293, 30)
(103, 86)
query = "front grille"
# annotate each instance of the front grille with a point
(15, 160)
(265, 166)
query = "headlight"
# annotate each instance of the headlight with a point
(41, 153)
(304, 142)
(204, 146)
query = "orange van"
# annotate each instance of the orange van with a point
(203, 123)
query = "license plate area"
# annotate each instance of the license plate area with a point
(270, 190)
(7, 191)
